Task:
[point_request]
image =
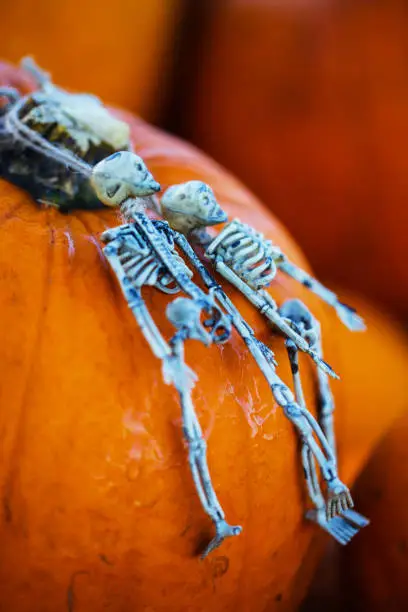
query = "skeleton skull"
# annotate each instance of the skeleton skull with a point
(121, 176)
(190, 206)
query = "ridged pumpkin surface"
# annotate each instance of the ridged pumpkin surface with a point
(98, 507)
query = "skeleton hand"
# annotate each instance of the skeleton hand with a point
(339, 500)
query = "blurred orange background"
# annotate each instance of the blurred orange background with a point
(305, 100)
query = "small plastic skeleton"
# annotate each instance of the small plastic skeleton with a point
(50, 139)
(248, 261)
(143, 253)
(348, 522)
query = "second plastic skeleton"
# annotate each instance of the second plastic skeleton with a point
(335, 514)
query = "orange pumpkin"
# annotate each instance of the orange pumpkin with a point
(98, 47)
(309, 107)
(98, 506)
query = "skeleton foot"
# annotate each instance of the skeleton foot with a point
(340, 500)
(223, 530)
(356, 518)
(341, 528)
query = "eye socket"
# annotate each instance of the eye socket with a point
(182, 196)
(206, 199)
(139, 167)
(113, 190)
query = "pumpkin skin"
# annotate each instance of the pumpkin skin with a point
(98, 507)
(308, 107)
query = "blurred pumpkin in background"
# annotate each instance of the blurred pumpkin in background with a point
(373, 389)
(98, 506)
(307, 101)
(371, 573)
(375, 567)
(121, 52)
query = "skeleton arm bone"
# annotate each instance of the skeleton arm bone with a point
(267, 307)
(345, 313)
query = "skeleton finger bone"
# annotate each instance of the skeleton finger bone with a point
(339, 500)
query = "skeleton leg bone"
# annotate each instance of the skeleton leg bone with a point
(309, 327)
(344, 527)
(198, 465)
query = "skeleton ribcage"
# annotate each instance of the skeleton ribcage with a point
(247, 253)
(142, 266)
